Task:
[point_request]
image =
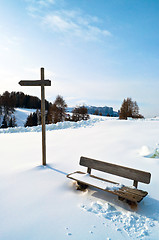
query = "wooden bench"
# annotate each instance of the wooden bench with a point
(131, 194)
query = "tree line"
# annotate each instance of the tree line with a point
(19, 99)
(10, 101)
(57, 113)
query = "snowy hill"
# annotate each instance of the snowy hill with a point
(21, 115)
(41, 203)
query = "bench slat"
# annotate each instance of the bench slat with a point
(135, 191)
(134, 195)
(118, 170)
(125, 188)
(129, 196)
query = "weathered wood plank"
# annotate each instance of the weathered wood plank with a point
(135, 191)
(118, 170)
(43, 118)
(124, 192)
(129, 196)
(41, 83)
(35, 83)
(124, 188)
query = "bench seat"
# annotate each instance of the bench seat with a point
(130, 193)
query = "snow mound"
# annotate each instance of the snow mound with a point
(51, 127)
(133, 224)
(146, 152)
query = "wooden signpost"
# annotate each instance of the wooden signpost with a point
(41, 83)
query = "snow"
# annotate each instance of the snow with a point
(95, 182)
(40, 202)
(50, 127)
(145, 151)
(21, 115)
(133, 224)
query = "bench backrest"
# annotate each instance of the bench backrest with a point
(130, 173)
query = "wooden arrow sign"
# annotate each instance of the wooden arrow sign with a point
(35, 82)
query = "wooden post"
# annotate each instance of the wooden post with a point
(41, 83)
(89, 170)
(135, 183)
(43, 118)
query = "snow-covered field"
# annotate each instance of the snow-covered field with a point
(38, 203)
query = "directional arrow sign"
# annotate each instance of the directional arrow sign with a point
(35, 82)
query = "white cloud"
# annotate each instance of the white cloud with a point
(36, 8)
(67, 22)
(38, 3)
(59, 24)
(46, 2)
(75, 24)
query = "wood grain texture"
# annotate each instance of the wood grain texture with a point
(130, 173)
(42, 83)
(43, 119)
(124, 192)
(35, 83)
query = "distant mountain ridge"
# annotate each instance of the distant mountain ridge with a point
(104, 111)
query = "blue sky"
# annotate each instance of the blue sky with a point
(95, 52)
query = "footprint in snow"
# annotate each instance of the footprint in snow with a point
(134, 225)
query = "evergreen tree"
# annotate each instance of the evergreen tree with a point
(4, 122)
(32, 120)
(18, 99)
(12, 122)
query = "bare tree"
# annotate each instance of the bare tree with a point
(129, 108)
(57, 111)
(80, 113)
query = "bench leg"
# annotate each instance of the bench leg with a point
(81, 186)
(121, 198)
(133, 205)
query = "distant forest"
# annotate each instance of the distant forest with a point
(10, 101)
(55, 112)
(21, 100)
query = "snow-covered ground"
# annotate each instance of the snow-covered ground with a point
(21, 115)
(39, 202)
